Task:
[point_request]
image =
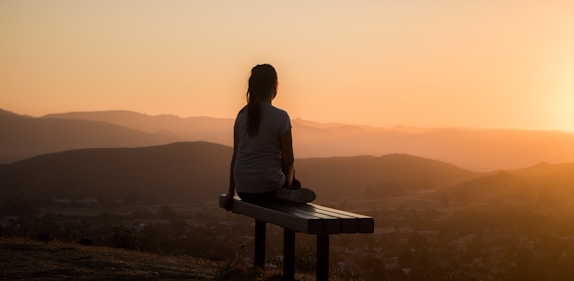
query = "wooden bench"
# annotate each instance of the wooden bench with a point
(306, 218)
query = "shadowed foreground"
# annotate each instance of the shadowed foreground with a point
(25, 259)
(22, 259)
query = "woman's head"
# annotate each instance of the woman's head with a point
(262, 83)
(262, 87)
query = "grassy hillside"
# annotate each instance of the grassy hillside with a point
(25, 259)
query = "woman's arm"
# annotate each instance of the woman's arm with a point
(231, 191)
(287, 159)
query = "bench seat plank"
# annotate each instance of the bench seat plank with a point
(307, 218)
(295, 223)
(327, 223)
(335, 223)
(364, 223)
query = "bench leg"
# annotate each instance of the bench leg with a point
(322, 257)
(288, 255)
(260, 244)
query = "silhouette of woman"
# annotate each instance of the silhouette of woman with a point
(262, 162)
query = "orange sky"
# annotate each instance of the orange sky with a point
(504, 64)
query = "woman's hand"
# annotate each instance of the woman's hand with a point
(228, 201)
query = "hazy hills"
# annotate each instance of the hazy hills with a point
(360, 176)
(198, 172)
(23, 136)
(215, 130)
(474, 149)
(180, 172)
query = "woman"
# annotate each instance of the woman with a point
(262, 161)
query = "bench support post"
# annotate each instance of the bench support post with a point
(322, 257)
(288, 255)
(260, 244)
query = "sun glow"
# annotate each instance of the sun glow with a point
(380, 63)
(561, 93)
(563, 111)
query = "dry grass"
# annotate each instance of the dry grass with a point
(22, 259)
(25, 259)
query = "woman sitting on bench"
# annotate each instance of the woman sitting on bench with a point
(262, 162)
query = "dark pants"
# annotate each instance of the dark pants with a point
(267, 196)
(258, 197)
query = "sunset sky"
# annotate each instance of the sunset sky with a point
(421, 63)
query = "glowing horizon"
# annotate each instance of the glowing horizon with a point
(501, 64)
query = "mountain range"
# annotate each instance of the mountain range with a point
(474, 149)
(24, 136)
(198, 171)
(179, 172)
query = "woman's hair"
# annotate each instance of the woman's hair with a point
(262, 84)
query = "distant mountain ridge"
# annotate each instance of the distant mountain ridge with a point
(474, 149)
(178, 172)
(541, 184)
(353, 176)
(24, 136)
(188, 172)
(198, 171)
(210, 129)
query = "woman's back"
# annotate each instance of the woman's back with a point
(258, 166)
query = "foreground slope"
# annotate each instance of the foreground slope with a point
(23, 259)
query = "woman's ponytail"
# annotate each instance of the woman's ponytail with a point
(262, 83)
